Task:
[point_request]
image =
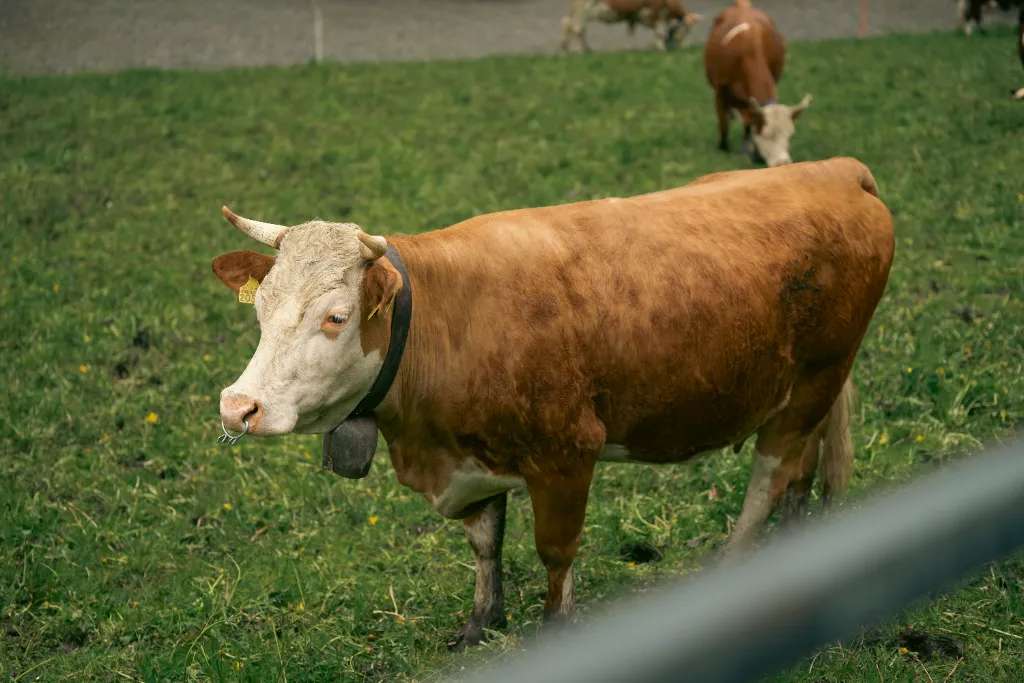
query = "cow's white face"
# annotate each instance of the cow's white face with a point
(310, 368)
(774, 125)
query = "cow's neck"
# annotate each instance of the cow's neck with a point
(429, 262)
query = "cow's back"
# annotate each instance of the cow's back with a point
(744, 54)
(670, 322)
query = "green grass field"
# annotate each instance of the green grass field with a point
(132, 546)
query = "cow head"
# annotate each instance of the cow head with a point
(773, 125)
(314, 362)
(680, 22)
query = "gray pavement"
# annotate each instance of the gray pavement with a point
(62, 36)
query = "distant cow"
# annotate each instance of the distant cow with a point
(970, 11)
(743, 60)
(647, 330)
(666, 18)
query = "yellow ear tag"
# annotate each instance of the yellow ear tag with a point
(247, 292)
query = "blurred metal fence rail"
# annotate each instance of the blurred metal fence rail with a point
(821, 583)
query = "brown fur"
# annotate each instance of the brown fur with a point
(748, 66)
(235, 268)
(670, 323)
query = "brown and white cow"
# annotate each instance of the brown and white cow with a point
(646, 329)
(743, 60)
(668, 19)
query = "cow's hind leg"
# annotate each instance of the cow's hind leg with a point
(559, 506)
(485, 530)
(798, 491)
(787, 453)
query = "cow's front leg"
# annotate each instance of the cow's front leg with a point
(748, 143)
(722, 112)
(559, 506)
(485, 530)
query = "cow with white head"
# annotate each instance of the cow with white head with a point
(313, 364)
(743, 61)
(541, 343)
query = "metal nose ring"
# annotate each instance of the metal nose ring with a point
(229, 438)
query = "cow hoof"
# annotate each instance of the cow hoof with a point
(473, 633)
(467, 636)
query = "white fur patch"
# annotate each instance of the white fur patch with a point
(735, 31)
(613, 452)
(471, 483)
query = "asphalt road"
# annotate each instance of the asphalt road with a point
(61, 36)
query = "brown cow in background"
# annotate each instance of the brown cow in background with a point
(743, 59)
(665, 17)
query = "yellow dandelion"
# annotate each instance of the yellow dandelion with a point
(883, 439)
(228, 507)
(207, 357)
(919, 438)
(373, 520)
(300, 606)
(238, 665)
(910, 370)
(86, 338)
(152, 418)
(904, 651)
(631, 565)
(84, 368)
(56, 288)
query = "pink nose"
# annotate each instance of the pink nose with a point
(238, 408)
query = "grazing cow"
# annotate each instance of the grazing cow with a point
(743, 60)
(540, 341)
(666, 18)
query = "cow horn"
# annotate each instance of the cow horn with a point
(798, 109)
(268, 233)
(372, 247)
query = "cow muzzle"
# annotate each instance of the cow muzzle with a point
(241, 413)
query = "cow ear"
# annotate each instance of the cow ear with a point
(794, 112)
(235, 268)
(381, 284)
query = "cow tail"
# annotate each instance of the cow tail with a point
(837, 445)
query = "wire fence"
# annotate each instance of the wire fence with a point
(815, 585)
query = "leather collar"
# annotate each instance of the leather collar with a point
(401, 317)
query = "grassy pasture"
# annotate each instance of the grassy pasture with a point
(132, 546)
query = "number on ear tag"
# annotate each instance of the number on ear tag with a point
(247, 292)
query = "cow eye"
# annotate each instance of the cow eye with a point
(332, 324)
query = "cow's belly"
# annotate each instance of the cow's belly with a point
(470, 483)
(695, 427)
